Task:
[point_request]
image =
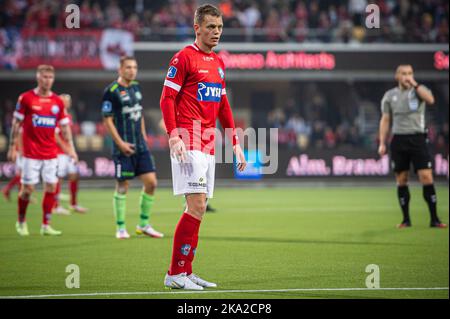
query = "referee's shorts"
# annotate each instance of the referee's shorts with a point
(410, 148)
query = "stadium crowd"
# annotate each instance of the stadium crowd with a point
(421, 21)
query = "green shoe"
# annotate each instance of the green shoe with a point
(22, 229)
(49, 231)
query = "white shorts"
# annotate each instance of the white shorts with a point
(33, 168)
(19, 164)
(196, 175)
(66, 166)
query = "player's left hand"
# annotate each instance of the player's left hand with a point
(411, 81)
(73, 155)
(240, 158)
(12, 154)
(177, 149)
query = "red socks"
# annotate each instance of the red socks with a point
(47, 205)
(13, 182)
(22, 209)
(184, 243)
(192, 253)
(57, 192)
(73, 192)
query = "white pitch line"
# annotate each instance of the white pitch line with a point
(218, 291)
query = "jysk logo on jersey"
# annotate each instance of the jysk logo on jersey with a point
(209, 92)
(44, 121)
(172, 72)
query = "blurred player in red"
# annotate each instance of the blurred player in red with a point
(6, 191)
(39, 111)
(66, 167)
(193, 97)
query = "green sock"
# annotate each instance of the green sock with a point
(119, 205)
(146, 203)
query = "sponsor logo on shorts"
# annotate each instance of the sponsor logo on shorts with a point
(197, 185)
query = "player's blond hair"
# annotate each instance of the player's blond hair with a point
(204, 10)
(45, 68)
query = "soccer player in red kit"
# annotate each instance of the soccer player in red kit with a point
(15, 180)
(39, 111)
(193, 97)
(66, 167)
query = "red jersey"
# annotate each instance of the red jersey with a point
(59, 132)
(40, 116)
(194, 96)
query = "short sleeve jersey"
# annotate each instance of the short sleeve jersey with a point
(40, 116)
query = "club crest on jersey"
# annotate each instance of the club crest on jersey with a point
(185, 249)
(44, 121)
(209, 92)
(221, 73)
(172, 72)
(55, 109)
(138, 95)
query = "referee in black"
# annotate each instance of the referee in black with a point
(405, 105)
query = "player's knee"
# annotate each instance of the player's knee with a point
(426, 179)
(150, 187)
(50, 188)
(122, 188)
(197, 208)
(402, 180)
(26, 191)
(201, 208)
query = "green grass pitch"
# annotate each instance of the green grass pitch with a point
(260, 239)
